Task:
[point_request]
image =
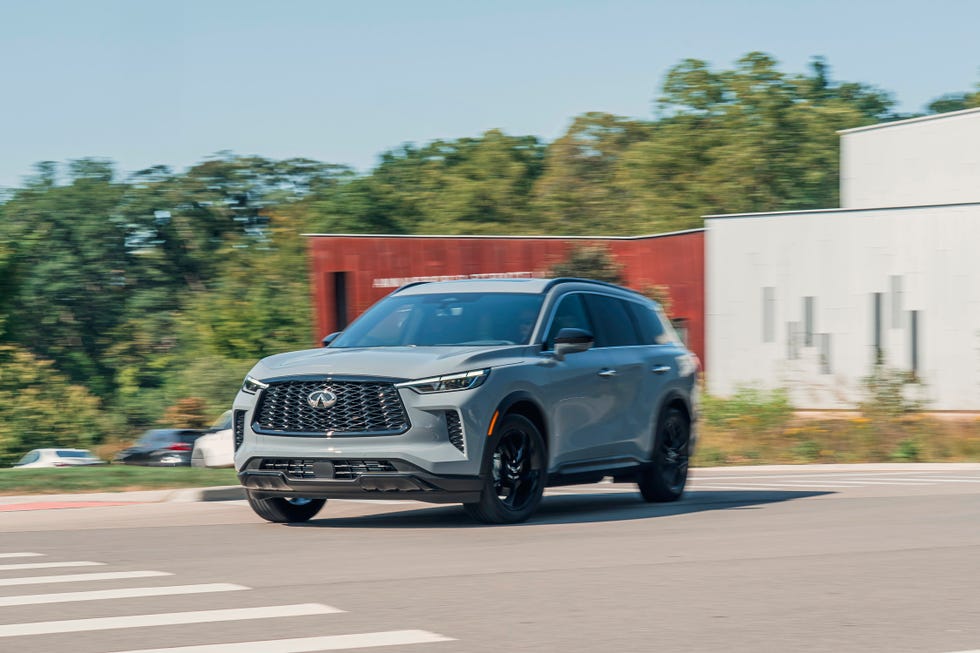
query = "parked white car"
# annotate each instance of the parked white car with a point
(57, 458)
(216, 448)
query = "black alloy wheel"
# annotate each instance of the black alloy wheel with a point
(665, 479)
(514, 472)
(284, 511)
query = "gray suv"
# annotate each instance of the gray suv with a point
(480, 392)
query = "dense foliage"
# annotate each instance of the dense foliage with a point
(120, 298)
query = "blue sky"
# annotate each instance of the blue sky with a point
(146, 83)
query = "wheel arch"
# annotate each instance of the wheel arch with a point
(522, 403)
(675, 399)
(682, 402)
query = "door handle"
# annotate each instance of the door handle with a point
(607, 373)
(661, 369)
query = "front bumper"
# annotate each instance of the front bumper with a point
(315, 478)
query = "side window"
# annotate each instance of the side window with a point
(651, 328)
(614, 322)
(570, 314)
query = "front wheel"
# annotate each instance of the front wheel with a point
(665, 479)
(283, 511)
(514, 471)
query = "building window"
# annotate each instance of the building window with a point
(823, 344)
(768, 314)
(879, 353)
(340, 299)
(808, 321)
(792, 343)
(914, 337)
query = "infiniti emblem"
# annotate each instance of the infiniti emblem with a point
(321, 399)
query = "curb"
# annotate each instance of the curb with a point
(181, 495)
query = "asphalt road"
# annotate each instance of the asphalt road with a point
(752, 559)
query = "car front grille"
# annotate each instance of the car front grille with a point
(371, 407)
(290, 467)
(313, 468)
(355, 468)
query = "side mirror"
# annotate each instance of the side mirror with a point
(327, 339)
(570, 341)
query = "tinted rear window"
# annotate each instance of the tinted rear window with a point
(649, 324)
(614, 324)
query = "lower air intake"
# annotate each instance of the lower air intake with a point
(455, 428)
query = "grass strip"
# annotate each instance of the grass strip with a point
(110, 478)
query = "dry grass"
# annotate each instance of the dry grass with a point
(916, 437)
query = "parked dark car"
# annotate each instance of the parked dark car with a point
(161, 448)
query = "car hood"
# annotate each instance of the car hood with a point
(396, 363)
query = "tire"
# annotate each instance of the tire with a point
(514, 473)
(665, 478)
(284, 511)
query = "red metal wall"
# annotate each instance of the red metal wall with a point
(375, 265)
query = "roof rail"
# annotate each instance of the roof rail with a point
(554, 282)
(407, 285)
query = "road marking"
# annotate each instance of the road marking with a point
(766, 486)
(59, 505)
(884, 475)
(50, 565)
(21, 555)
(164, 619)
(73, 578)
(128, 593)
(835, 483)
(307, 644)
(938, 479)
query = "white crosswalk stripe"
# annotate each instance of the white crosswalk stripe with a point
(164, 619)
(309, 644)
(105, 623)
(126, 593)
(80, 578)
(49, 565)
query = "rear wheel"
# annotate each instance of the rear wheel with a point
(282, 511)
(665, 479)
(514, 472)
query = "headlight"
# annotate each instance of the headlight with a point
(252, 386)
(448, 383)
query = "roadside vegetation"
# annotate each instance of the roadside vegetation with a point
(760, 427)
(109, 478)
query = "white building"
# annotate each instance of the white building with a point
(809, 300)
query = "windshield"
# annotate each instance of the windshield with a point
(445, 320)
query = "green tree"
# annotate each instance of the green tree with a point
(65, 258)
(33, 401)
(589, 262)
(576, 194)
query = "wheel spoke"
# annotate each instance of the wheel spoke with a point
(516, 476)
